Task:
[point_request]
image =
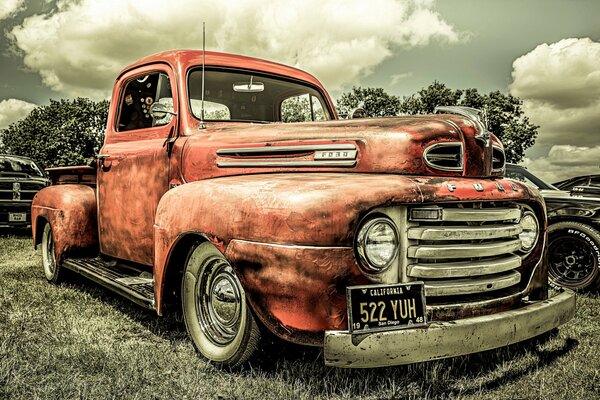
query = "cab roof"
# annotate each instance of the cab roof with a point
(189, 58)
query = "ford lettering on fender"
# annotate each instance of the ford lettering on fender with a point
(231, 189)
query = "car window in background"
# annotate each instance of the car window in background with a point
(13, 165)
(521, 174)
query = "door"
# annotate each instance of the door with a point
(133, 165)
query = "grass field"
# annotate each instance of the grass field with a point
(76, 340)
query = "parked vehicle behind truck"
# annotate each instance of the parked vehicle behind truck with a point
(385, 241)
(20, 179)
(573, 233)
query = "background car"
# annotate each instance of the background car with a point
(585, 185)
(583, 180)
(573, 233)
(20, 179)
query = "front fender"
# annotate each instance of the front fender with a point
(71, 211)
(300, 209)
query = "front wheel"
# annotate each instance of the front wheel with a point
(216, 315)
(52, 269)
(574, 256)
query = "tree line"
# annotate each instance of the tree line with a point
(71, 132)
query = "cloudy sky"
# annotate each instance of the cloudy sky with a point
(547, 52)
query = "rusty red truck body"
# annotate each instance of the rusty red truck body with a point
(385, 241)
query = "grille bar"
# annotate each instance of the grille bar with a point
(464, 232)
(461, 269)
(480, 215)
(469, 286)
(454, 251)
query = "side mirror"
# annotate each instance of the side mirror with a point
(358, 112)
(161, 113)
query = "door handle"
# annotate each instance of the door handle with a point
(102, 158)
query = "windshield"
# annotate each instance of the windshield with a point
(245, 96)
(19, 166)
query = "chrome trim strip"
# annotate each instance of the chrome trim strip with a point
(463, 269)
(288, 164)
(453, 251)
(445, 144)
(470, 286)
(464, 232)
(480, 215)
(285, 149)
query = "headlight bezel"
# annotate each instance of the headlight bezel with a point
(527, 212)
(366, 263)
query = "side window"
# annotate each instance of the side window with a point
(302, 108)
(137, 98)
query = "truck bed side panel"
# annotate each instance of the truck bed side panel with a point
(71, 211)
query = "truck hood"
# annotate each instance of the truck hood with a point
(431, 145)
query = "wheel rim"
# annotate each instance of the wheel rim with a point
(219, 302)
(572, 262)
(48, 255)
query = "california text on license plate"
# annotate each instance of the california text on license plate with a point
(373, 308)
(17, 217)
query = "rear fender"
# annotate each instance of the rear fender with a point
(71, 212)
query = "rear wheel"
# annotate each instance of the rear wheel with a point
(52, 269)
(574, 256)
(216, 314)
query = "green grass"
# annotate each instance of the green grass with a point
(76, 340)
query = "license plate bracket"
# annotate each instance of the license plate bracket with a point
(386, 307)
(17, 217)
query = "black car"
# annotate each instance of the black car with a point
(573, 233)
(20, 179)
(583, 180)
(585, 185)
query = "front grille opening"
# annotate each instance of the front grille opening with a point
(444, 156)
(472, 251)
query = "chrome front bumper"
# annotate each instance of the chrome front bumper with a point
(448, 339)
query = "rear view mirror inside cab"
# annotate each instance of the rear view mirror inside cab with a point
(249, 87)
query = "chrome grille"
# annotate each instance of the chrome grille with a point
(464, 250)
(444, 156)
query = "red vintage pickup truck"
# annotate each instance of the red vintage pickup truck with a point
(227, 185)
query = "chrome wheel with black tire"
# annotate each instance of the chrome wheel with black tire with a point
(52, 269)
(574, 256)
(217, 317)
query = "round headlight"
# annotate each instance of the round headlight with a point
(377, 244)
(531, 231)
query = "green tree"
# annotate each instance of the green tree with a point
(504, 113)
(65, 132)
(295, 109)
(375, 101)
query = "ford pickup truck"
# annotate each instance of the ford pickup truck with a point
(228, 186)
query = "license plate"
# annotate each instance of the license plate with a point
(17, 217)
(373, 308)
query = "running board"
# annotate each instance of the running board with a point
(129, 282)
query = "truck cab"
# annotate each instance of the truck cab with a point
(228, 186)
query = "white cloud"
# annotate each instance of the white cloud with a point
(10, 7)
(560, 86)
(565, 162)
(12, 110)
(79, 48)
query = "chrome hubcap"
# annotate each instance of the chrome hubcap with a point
(49, 256)
(219, 302)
